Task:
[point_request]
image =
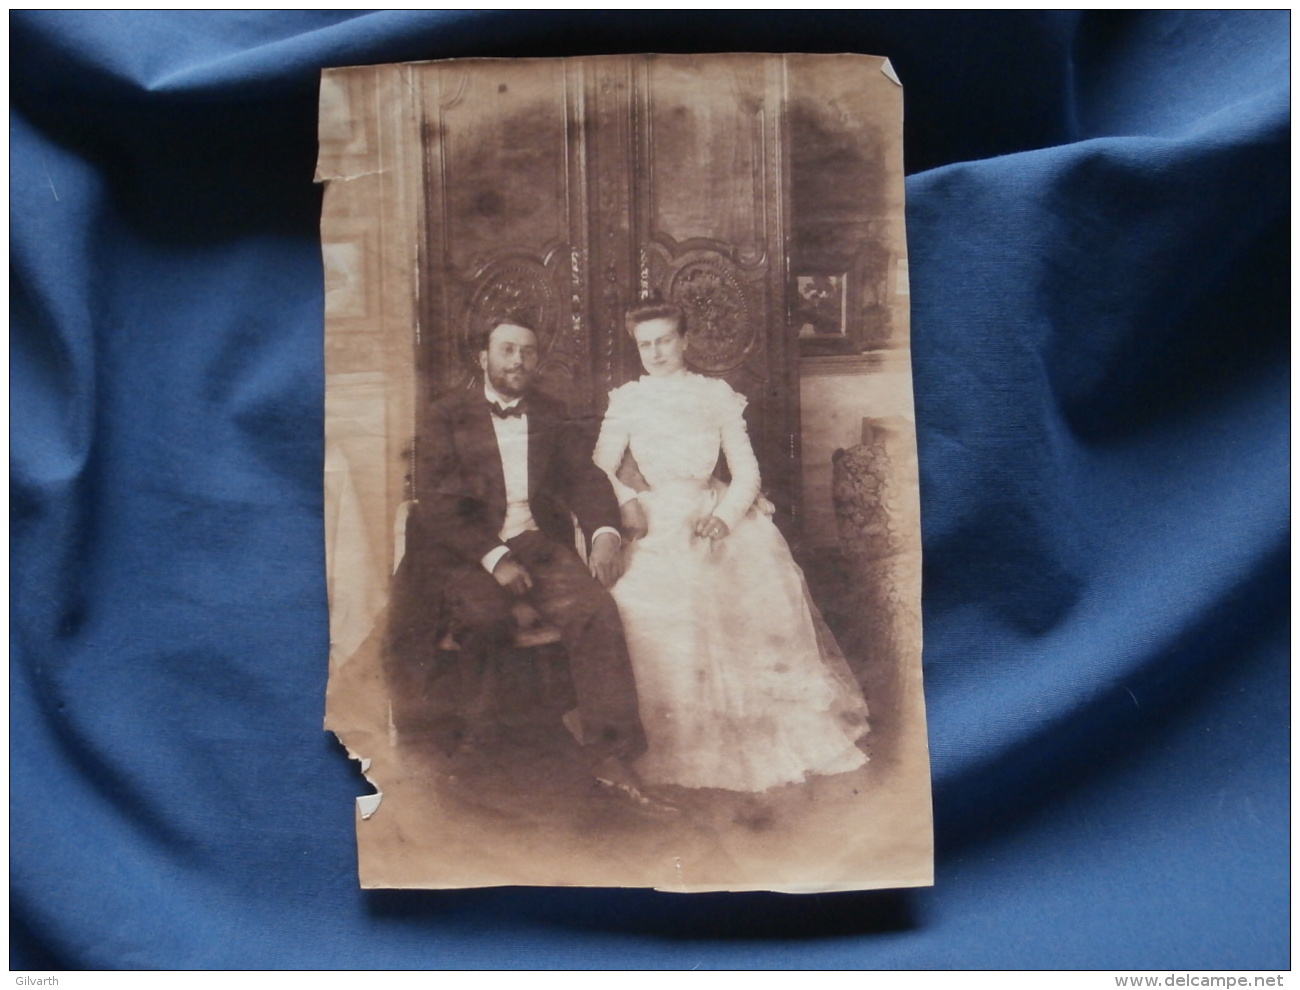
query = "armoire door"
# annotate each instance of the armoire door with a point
(560, 192)
(506, 230)
(708, 221)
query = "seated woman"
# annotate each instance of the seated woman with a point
(741, 685)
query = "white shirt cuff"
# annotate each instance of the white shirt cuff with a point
(493, 557)
(607, 529)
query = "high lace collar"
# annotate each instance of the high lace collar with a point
(666, 381)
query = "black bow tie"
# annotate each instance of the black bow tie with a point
(501, 412)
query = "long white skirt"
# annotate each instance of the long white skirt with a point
(741, 685)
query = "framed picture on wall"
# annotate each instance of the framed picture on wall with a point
(820, 309)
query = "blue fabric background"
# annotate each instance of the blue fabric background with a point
(1099, 231)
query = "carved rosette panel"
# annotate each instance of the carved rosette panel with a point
(526, 291)
(517, 292)
(721, 319)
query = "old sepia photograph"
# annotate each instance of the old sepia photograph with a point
(621, 483)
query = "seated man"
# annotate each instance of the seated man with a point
(499, 478)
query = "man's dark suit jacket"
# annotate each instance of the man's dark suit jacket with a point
(460, 503)
(460, 483)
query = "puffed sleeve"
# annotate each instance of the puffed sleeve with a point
(613, 442)
(741, 461)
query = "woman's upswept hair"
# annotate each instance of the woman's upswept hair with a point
(647, 311)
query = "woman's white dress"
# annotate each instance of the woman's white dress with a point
(741, 685)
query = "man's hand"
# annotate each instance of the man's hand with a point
(512, 576)
(633, 518)
(711, 528)
(607, 559)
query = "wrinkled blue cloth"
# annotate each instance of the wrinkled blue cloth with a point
(1098, 221)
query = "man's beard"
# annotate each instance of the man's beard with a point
(506, 388)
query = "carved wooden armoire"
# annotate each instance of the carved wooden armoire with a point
(559, 192)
